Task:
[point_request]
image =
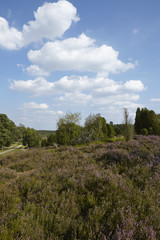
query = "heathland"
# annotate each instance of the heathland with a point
(100, 191)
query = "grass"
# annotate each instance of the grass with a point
(101, 191)
(13, 147)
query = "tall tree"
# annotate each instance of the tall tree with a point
(128, 127)
(147, 119)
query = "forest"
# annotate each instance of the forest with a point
(100, 181)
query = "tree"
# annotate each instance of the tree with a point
(44, 143)
(138, 124)
(69, 118)
(5, 137)
(30, 138)
(21, 129)
(68, 128)
(8, 131)
(51, 139)
(96, 125)
(111, 132)
(147, 119)
(128, 127)
(118, 130)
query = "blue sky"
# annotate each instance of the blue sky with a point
(78, 56)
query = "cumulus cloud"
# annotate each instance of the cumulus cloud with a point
(98, 94)
(39, 116)
(10, 37)
(51, 21)
(83, 90)
(34, 70)
(134, 85)
(79, 54)
(75, 98)
(37, 87)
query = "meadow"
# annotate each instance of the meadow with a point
(100, 191)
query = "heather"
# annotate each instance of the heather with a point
(99, 191)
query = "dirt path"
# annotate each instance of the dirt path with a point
(12, 149)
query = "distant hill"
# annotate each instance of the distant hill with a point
(45, 133)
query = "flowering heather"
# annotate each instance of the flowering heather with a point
(104, 191)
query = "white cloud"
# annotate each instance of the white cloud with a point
(155, 99)
(10, 37)
(79, 54)
(77, 91)
(98, 86)
(34, 70)
(122, 99)
(51, 21)
(37, 87)
(33, 105)
(75, 98)
(134, 85)
(39, 116)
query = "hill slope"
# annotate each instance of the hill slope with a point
(105, 191)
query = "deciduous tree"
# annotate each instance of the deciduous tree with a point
(30, 138)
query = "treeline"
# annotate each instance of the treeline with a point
(95, 128)
(70, 132)
(147, 122)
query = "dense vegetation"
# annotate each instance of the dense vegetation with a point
(147, 122)
(95, 128)
(70, 132)
(9, 133)
(104, 191)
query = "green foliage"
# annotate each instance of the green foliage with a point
(110, 130)
(96, 125)
(8, 131)
(30, 138)
(51, 139)
(44, 143)
(118, 130)
(144, 131)
(21, 129)
(147, 119)
(67, 133)
(69, 118)
(45, 133)
(68, 129)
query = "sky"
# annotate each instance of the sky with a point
(98, 56)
